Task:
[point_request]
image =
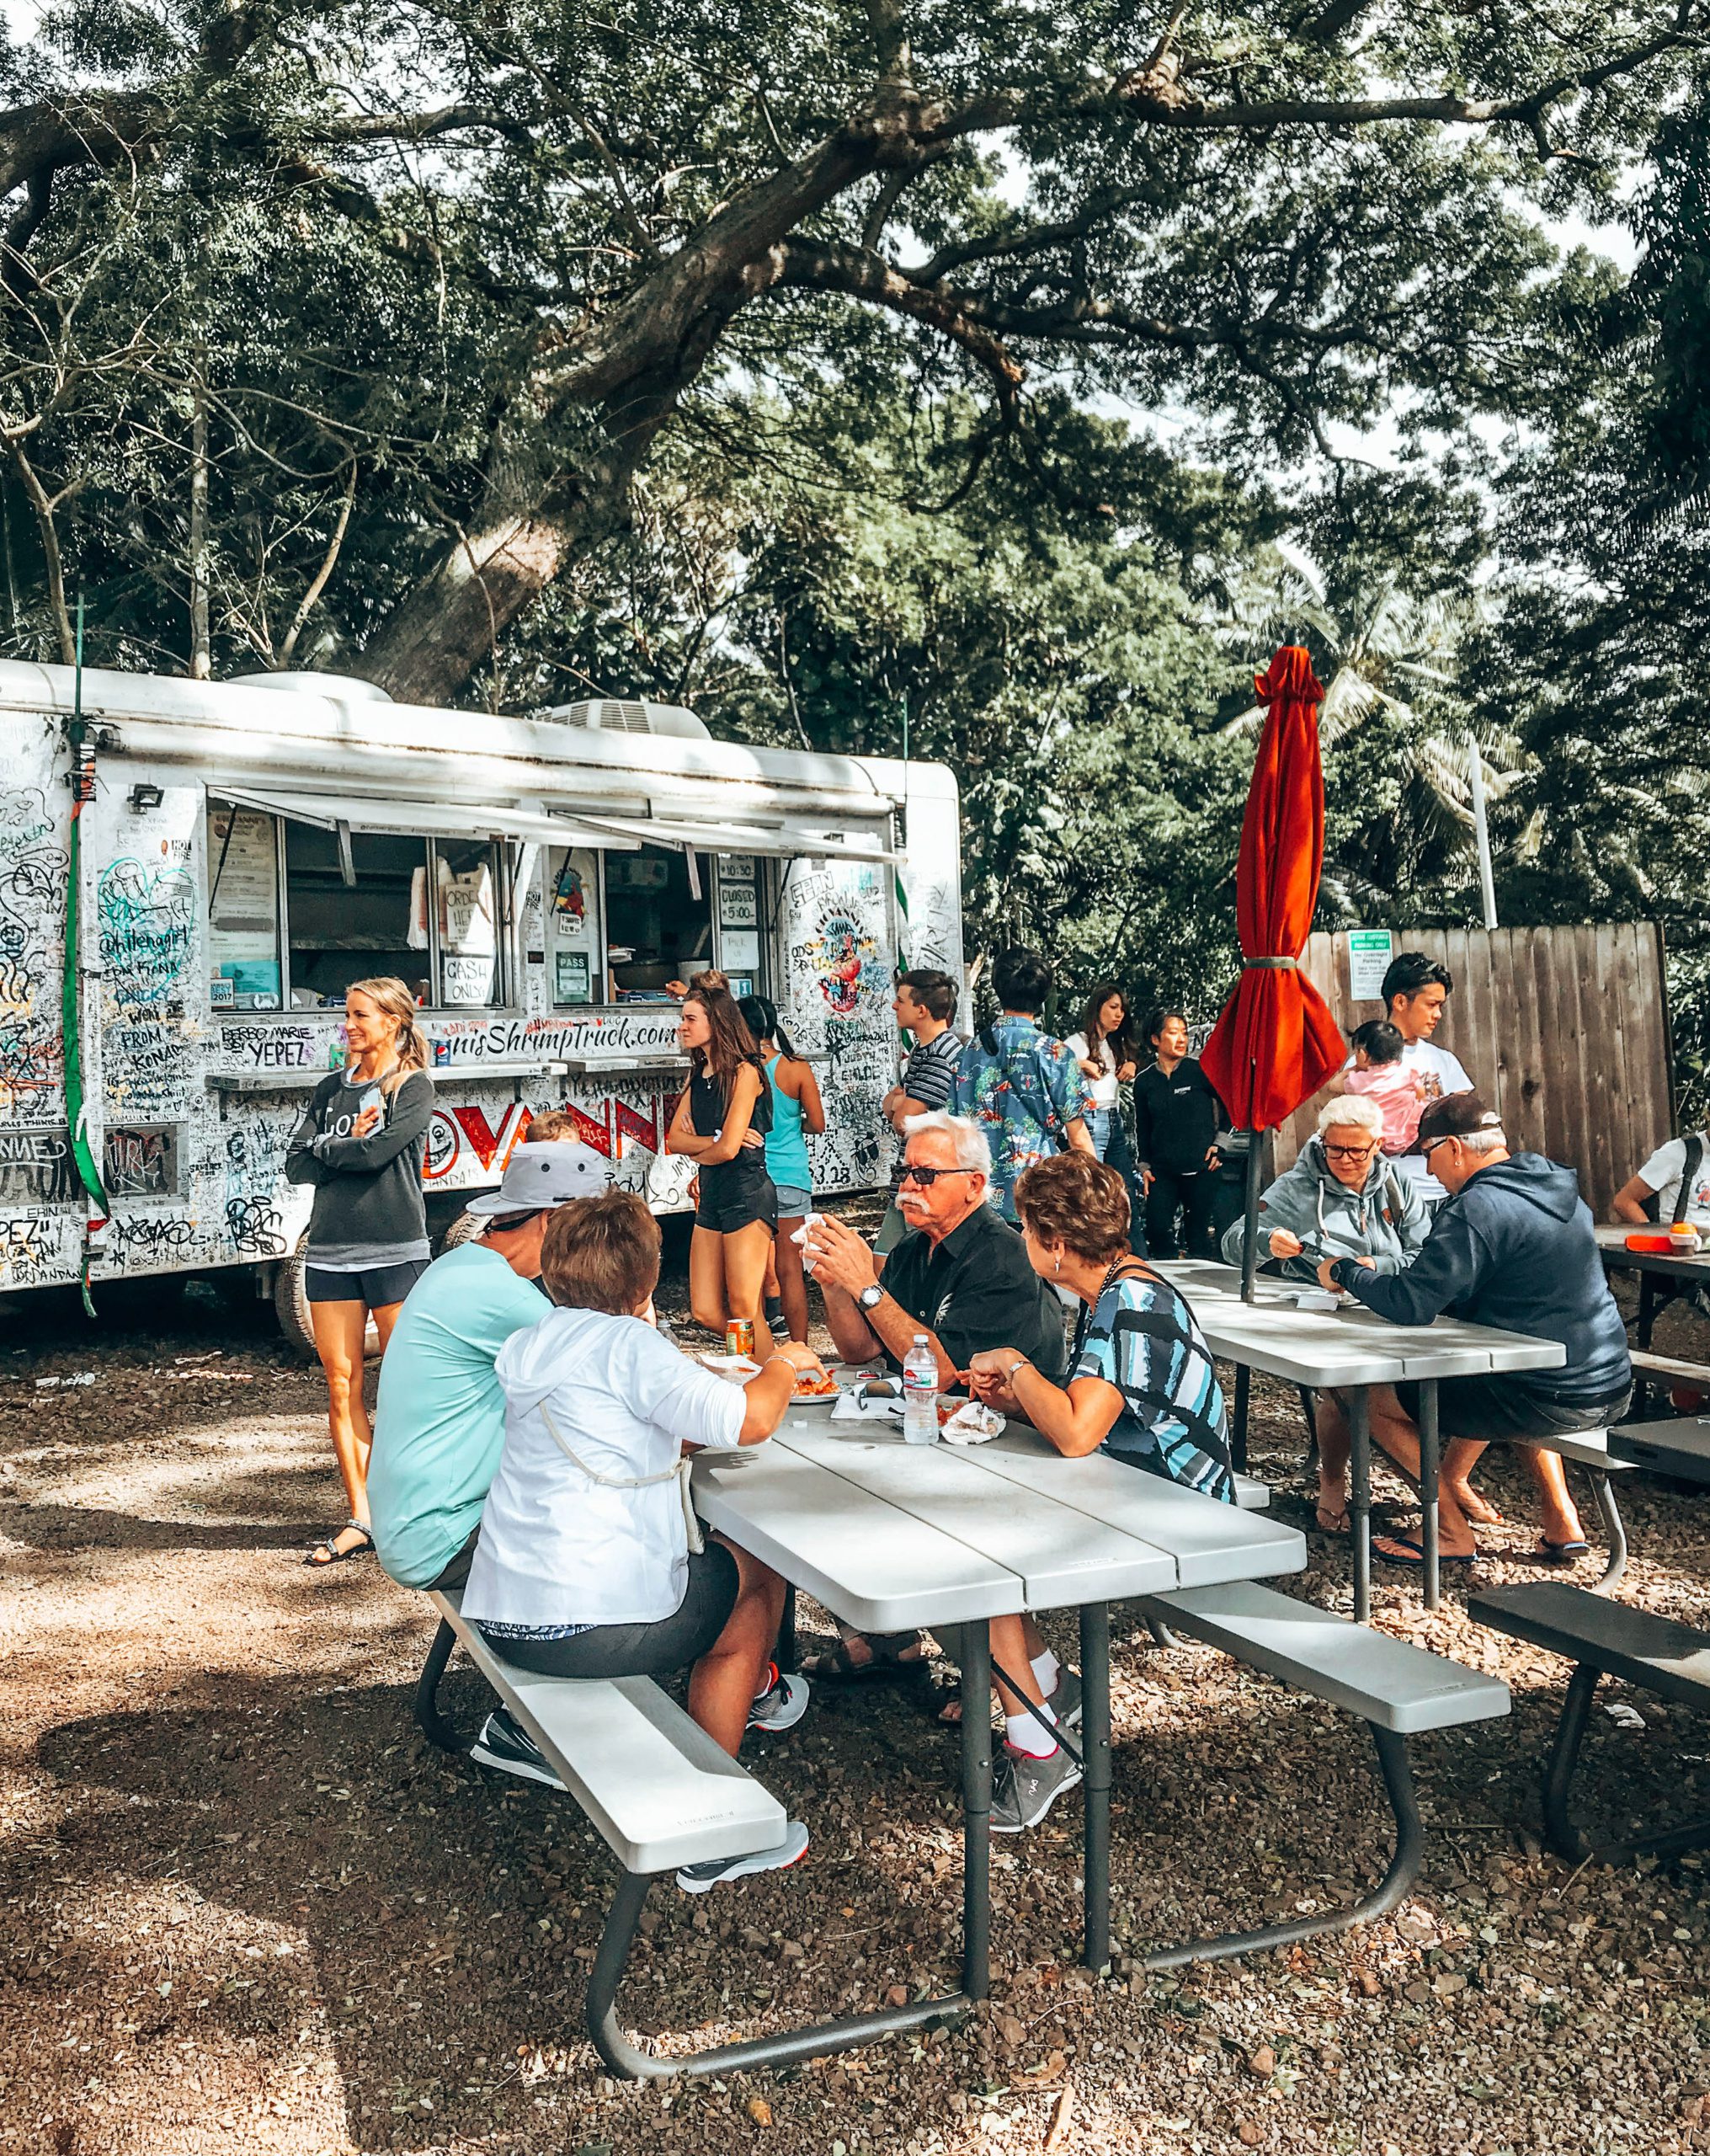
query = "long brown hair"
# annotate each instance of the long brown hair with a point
(396, 1003)
(731, 1043)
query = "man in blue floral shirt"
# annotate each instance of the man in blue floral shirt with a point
(1023, 1088)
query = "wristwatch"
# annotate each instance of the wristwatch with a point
(870, 1297)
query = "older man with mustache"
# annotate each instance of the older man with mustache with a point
(960, 1275)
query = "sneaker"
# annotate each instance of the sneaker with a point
(696, 1878)
(505, 1744)
(783, 1703)
(1025, 1788)
(1065, 1701)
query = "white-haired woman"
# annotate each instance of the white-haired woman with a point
(1341, 1198)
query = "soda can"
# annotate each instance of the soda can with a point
(442, 1053)
(739, 1338)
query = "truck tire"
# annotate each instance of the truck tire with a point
(291, 1304)
(463, 1229)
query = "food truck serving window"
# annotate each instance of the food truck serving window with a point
(658, 920)
(297, 912)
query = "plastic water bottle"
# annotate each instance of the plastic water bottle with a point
(920, 1394)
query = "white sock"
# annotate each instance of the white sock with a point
(1046, 1668)
(1025, 1735)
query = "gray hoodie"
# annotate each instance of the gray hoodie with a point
(1386, 1221)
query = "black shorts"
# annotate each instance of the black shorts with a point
(375, 1285)
(455, 1571)
(656, 1650)
(728, 1203)
(1498, 1410)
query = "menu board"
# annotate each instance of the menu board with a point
(244, 963)
(468, 937)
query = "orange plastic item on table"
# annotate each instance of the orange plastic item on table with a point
(1653, 1243)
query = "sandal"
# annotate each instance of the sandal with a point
(1339, 1521)
(1408, 1552)
(1562, 1553)
(335, 1556)
(886, 1664)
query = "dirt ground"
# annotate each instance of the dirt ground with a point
(244, 1907)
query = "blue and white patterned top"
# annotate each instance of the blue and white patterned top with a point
(1021, 1093)
(1143, 1338)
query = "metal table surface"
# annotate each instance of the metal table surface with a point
(890, 1536)
(1351, 1349)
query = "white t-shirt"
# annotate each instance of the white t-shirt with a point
(1662, 1174)
(1442, 1072)
(558, 1546)
(1104, 1092)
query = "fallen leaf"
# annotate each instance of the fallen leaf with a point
(1060, 2117)
(760, 2110)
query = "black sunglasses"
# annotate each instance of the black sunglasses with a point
(925, 1177)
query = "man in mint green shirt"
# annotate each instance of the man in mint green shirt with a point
(439, 1428)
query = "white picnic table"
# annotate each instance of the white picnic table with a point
(1348, 1350)
(890, 1536)
(1683, 1268)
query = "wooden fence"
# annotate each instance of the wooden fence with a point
(1565, 1030)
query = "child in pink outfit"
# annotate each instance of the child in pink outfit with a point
(1380, 1073)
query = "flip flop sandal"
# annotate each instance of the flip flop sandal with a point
(335, 1556)
(1342, 1525)
(1414, 1560)
(1562, 1553)
(837, 1666)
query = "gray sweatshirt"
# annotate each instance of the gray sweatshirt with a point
(368, 1210)
(1386, 1221)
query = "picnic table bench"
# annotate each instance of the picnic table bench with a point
(1600, 1638)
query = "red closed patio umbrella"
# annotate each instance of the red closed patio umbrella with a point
(1275, 1043)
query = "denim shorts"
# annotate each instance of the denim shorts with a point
(793, 1201)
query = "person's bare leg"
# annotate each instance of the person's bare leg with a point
(1394, 1430)
(745, 1254)
(1012, 1650)
(1334, 1445)
(722, 1684)
(793, 1281)
(339, 1329)
(1459, 1456)
(384, 1318)
(706, 1279)
(1561, 1519)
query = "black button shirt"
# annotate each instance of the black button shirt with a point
(975, 1290)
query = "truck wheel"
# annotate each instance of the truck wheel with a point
(463, 1229)
(291, 1304)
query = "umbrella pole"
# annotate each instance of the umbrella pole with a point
(1249, 1240)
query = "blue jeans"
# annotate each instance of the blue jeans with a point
(1099, 1122)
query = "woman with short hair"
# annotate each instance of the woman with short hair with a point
(1142, 1386)
(589, 1563)
(1341, 1198)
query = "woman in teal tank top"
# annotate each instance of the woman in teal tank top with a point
(798, 1113)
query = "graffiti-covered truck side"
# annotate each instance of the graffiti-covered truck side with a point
(239, 853)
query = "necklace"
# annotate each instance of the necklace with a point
(1113, 1273)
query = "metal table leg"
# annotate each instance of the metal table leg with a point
(1237, 1436)
(1430, 1453)
(1360, 1505)
(787, 1654)
(1647, 1325)
(975, 1652)
(1095, 1756)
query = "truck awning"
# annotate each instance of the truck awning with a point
(424, 819)
(785, 839)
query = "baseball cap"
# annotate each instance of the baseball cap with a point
(1456, 1115)
(538, 1178)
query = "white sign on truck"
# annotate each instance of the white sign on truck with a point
(247, 850)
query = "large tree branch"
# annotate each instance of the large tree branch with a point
(828, 268)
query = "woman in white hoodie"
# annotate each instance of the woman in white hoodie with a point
(590, 1561)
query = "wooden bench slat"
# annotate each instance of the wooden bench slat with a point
(1655, 1653)
(1669, 1366)
(1383, 1680)
(652, 1781)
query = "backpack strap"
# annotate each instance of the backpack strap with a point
(1689, 1172)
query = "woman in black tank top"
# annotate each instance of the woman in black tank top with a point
(721, 1122)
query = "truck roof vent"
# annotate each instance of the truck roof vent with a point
(624, 715)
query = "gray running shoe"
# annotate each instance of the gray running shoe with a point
(782, 1705)
(1065, 1701)
(504, 1744)
(696, 1878)
(1025, 1788)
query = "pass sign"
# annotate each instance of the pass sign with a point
(1370, 951)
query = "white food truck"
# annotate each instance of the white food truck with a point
(191, 873)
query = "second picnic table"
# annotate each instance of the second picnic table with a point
(893, 1537)
(1349, 1350)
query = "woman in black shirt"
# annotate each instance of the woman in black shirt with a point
(1176, 1117)
(721, 1122)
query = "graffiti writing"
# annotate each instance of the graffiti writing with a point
(274, 1048)
(33, 871)
(22, 1250)
(37, 1167)
(148, 916)
(143, 1161)
(253, 1228)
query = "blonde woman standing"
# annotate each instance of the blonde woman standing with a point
(361, 1145)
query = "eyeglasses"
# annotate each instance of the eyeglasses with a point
(925, 1177)
(1349, 1152)
(1431, 1144)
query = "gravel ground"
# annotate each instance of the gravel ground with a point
(244, 1907)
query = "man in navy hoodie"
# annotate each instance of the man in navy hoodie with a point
(1513, 1247)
